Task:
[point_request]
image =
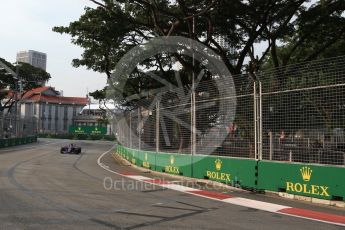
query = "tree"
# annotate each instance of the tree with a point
(31, 77)
(111, 29)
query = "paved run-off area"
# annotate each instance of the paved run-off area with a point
(43, 189)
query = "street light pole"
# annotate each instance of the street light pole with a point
(14, 76)
(16, 100)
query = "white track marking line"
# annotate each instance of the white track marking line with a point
(308, 218)
(106, 167)
(265, 206)
(141, 178)
(179, 188)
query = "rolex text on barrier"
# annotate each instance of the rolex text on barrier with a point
(323, 182)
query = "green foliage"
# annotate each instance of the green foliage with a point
(31, 77)
(309, 98)
(319, 32)
(107, 31)
(289, 31)
(98, 94)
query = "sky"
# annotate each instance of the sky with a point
(27, 25)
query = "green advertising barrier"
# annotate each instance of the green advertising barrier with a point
(6, 143)
(232, 171)
(138, 156)
(17, 141)
(130, 155)
(87, 130)
(148, 160)
(119, 149)
(178, 164)
(324, 182)
(122, 151)
(12, 142)
(133, 157)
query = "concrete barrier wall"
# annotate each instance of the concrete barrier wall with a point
(17, 141)
(323, 182)
(178, 164)
(232, 171)
(235, 172)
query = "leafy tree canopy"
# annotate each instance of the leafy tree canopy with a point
(31, 77)
(291, 31)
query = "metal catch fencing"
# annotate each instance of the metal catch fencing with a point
(303, 112)
(293, 114)
(15, 126)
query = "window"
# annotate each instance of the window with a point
(56, 117)
(56, 112)
(74, 111)
(65, 124)
(42, 124)
(43, 111)
(50, 111)
(65, 112)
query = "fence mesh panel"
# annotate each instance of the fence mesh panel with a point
(304, 112)
(303, 116)
(226, 122)
(12, 126)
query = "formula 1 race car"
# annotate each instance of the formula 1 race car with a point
(70, 149)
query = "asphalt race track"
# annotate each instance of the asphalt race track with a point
(43, 189)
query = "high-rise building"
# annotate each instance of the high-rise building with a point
(34, 58)
(230, 50)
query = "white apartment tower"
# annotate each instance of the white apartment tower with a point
(34, 58)
(230, 50)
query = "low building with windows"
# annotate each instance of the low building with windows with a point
(54, 112)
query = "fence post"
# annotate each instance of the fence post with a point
(157, 126)
(258, 122)
(255, 124)
(270, 134)
(139, 127)
(194, 124)
(130, 129)
(193, 99)
(260, 119)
